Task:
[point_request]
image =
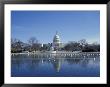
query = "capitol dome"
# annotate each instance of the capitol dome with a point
(56, 42)
(56, 38)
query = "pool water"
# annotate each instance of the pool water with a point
(32, 66)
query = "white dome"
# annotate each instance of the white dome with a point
(56, 39)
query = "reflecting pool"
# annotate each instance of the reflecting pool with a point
(54, 66)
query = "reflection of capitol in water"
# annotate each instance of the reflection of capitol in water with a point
(56, 64)
(34, 61)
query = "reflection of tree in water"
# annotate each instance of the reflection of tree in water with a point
(17, 62)
(30, 61)
(16, 56)
(34, 56)
(33, 63)
(85, 62)
(73, 60)
(89, 61)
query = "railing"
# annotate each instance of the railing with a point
(62, 54)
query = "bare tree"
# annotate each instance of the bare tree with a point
(83, 43)
(16, 45)
(34, 45)
(32, 40)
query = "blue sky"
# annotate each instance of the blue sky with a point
(71, 25)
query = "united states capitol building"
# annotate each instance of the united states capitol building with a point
(56, 44)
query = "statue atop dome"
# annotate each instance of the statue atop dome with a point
(56, 32)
